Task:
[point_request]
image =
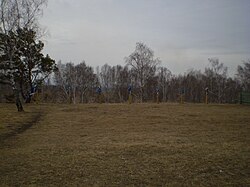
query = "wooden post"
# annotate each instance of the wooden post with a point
(18, 101)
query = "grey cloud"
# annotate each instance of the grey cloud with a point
(183, 33)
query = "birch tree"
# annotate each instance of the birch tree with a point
(142, 61)
(243, 75)
(217, 74)
(164, 76)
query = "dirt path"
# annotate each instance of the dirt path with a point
(21, 127)
(141, 145)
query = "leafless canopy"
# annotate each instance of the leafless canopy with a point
(19, 14)
(143, 64)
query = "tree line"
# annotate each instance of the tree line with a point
(146, 77)
(142, 72)
(26, 73)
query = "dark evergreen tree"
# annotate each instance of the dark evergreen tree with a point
(22, 63)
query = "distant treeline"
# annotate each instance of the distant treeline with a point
(79, 83)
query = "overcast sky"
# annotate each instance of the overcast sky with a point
(182, 33)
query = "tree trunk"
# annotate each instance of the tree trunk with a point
(141, 94)
(21, 87)
(74, 95)
(120, 96)
(28, 99)
(18, 101)
(164, 93)
(83, 93)
(19, 105)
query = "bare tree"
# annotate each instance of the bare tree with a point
(66, 77)
(105, 80)
(122, 81)
(144, 64)
(62, 80)
(217, 74)
(71, 75)
(115, 81)
(75, 81)
(243, 75)
(164, 75)
(86, 79)
(194, 86)
(17, 14)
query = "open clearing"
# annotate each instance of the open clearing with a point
(125, 145)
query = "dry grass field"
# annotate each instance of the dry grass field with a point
(125, 145)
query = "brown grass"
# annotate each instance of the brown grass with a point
(126, 145)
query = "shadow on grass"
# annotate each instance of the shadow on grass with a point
(21, 127)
